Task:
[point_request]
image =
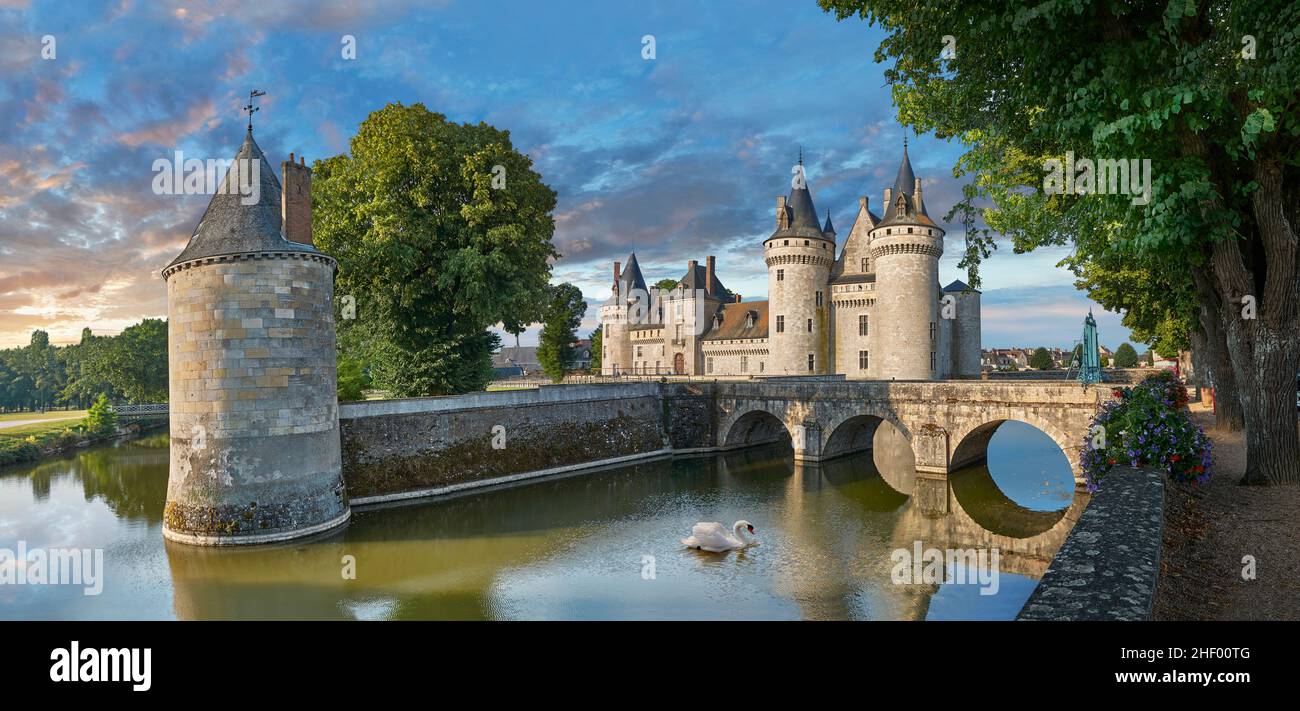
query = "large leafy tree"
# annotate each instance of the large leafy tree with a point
(597, 346)
(135, 362)
(1206, 89)
(441, 230)
(563, 313)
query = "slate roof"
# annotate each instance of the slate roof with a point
(959, 285)
(696, 279)
(733, 321)
(230, 227)
(630, 278)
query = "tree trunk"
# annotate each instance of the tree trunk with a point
(1228, 416)
(1264, 340)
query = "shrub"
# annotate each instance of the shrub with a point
(100, 420)
(1148, 425)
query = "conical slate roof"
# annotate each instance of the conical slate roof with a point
(828, 227)
(231, 227)
(802, 212)
(630, 278)
(905, 183)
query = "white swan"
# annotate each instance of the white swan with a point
(714, 538)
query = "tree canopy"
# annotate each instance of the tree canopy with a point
(563, 313)
(441, 230)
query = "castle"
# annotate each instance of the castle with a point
(874, 312)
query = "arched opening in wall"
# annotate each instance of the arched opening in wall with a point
(1012, 478)
(758, 427)
(872, 442)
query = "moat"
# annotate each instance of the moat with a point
(596, 545)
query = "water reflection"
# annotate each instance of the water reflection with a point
(588, 546)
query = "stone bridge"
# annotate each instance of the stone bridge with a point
(948, 423)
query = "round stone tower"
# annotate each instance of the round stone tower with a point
(251, 357)
(905, 249)
(616, 314)
(799, 256)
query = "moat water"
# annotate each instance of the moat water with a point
(600, 545)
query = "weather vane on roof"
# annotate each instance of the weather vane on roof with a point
(800, 155)
(253, 109)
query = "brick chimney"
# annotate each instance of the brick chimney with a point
(708, 275)
(617, 274)
(690, 271)
(295, 201)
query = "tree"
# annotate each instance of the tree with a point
(352, 379)
(1126, 356)
(83, 364)
(597, 344)
(100, 420)
(135, 362)
(666, 284)
(563, 313)
(441, 230)
(1195, 87)
(42, 370)
(1041, 359)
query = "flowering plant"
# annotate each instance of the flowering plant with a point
(1147, 425)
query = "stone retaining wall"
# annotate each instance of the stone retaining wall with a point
(429, 444)
(1108, 566)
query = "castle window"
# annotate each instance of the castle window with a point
(819, 299)
(902, 206)
(909, 230)
(806, 243)
(760, 366)
(708, 364)
(751, 317)
(786, 243)
(780, 275)
(864, 265)
(864, 357)
(812, 362)
(780, 324)
(932, 361)
(889, 231)
(932, 330)
(638, 351)
(862, 324)
(744, 364)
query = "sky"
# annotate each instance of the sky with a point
(675, 157)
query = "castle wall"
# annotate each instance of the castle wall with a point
(849, 302)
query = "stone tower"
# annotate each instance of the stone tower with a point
(799, 256)
(615, 314)
(251, 358)
(905, 249)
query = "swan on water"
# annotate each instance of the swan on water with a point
(714, 538)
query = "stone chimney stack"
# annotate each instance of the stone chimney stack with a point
(708, 275)
(862, 203)
(889, 193)
(617, 274)
(690, 268)
(295, 201)
(916, 196)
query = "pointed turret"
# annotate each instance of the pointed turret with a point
(244, 215)
(828, 228)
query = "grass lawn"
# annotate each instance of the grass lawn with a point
(51, 415)
(37, 429)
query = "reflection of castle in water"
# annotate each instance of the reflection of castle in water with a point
(837, 524)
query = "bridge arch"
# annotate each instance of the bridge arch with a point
(970, 442)
(755, 426)
(852, 431)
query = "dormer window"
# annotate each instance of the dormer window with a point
(751, 318)
(902, 206)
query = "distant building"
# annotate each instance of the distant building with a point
(875, 311)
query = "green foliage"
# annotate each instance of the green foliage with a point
(352, 379)
(100, 421)
(431, 251)
(1148, 425)
(1126, 356)
(132, 365)
(564, 310)
(1041, 359)
(597, 347)
(666, 284)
